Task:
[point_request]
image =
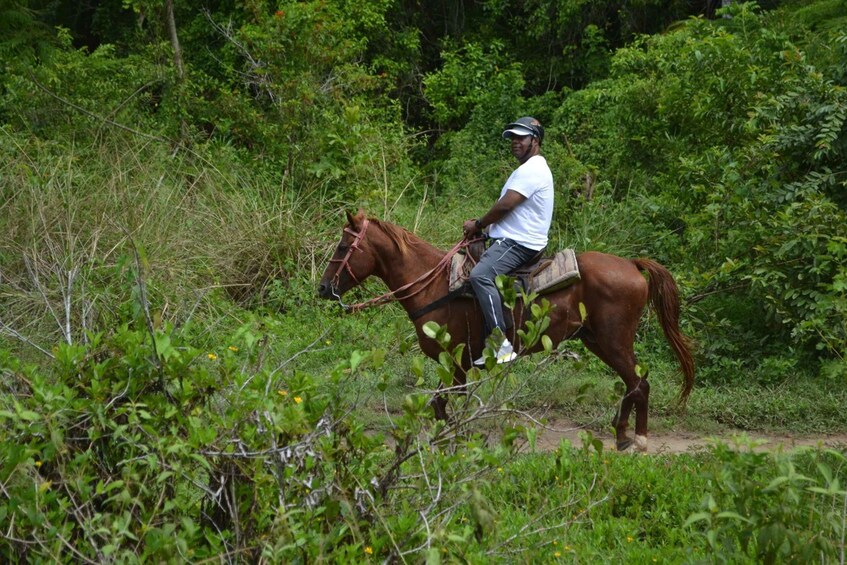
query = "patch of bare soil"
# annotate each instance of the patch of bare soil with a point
(551, 436)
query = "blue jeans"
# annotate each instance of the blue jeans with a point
(503, 257)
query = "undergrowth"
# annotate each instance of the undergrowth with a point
(139, 445)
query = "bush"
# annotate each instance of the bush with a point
(774, 508)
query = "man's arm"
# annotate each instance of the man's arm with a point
(499, 211)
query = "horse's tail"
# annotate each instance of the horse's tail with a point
(664, 297)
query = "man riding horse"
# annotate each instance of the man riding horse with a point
(602, 308)
(517, 224)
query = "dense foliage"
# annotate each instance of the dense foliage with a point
(212, 455)
(170, 182)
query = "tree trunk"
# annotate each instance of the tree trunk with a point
(180, 70)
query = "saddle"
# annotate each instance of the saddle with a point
(540, 274)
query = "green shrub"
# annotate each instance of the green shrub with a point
(774, 508)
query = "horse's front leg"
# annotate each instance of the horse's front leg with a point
(439, 405)
(439, 399)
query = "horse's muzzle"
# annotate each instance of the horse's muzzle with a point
(325, 290)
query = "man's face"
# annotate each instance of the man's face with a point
(522, 147)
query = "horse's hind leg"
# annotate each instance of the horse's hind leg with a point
(642, 401)
(622, 359)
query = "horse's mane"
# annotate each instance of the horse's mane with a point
(403, 238)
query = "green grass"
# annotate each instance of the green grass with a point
(611, 508)
(584, 391)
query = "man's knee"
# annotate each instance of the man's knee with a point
(479, 278)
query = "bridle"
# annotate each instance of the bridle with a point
(443, 264)
(345, 262)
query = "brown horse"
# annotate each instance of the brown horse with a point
(612, 290)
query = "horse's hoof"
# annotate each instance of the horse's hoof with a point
(623, 444)
(640, 443)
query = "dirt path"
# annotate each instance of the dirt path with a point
(671, 442)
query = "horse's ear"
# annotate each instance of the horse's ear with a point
(356, 221)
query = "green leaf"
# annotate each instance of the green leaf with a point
(444, 338)
(355, 359)
(458, 352)
(445, 360)
(445, 376)
(430, 329)
(29, 415)
(417, 367)
(377, 358)
(163, 345)
(697, 517)
(733, 516)
(201, 460)
(583, 313)
(712, 536)
(825, 471)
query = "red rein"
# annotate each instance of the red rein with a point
(390, 295)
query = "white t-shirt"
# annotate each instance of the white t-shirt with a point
(529, 222)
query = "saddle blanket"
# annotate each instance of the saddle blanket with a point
(549, 274)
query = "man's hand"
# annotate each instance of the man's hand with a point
(470, 227)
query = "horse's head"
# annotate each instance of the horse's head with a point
(352, 261)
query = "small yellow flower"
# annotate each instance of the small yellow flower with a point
(499, 469)
(629, 539)
(298, 400)
(282, 392)
(555, 542)
(329, 342)
(212, 356)
(38, 463)
(369, 550)
(233, 348)
(567, 548)
(557, 554)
